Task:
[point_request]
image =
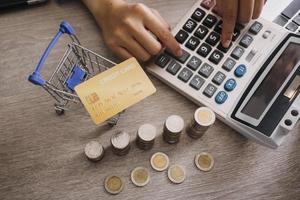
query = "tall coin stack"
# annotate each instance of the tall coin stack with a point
(203, 118)
(146, 136)
(173, 127)
(120, 143)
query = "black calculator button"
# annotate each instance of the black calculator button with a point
(213, 38)
(173, 67)
(192, 43)
(190, 25)
(204, 50)
(210, 21)
(194, 63)
(218, 28)
(246, 41)
(206, 70)
(216, 57)
(162, 60)
(198, 14)
(255, 28)
(223, 49)
(185, 55)
(219, 78)
(181, 36)
(236, 34)
(210, 90)
(237, 52)
(185, 74)
(229, 64)
(197, 82)
(201, 32)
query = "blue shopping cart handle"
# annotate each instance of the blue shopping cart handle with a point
(35, 77)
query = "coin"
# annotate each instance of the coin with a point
(140, 176)
(204, 161)
(113, 184)
(159, 161)
(94, 151)
(176, 174)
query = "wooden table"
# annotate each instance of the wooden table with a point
(41, 154)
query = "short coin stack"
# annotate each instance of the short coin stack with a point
(120, 143)
(203, 118)
(94, 151)
(173, 127)
(146, 136)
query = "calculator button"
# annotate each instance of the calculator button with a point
(223, 49)
(229, 64)
(206, 70)
(280, 20)
(190, 25)
(266, 34)
(221, 97)
(251, 54)
(230, 85)
(210, 21)
(237, 52)
(194, 63)
(204, 50)
(207, 4)
(236, 34)
(246, 41)
(218, 28)
(198, 14)
(192, 43)
(296, 19)
(216, 57)
(197, 82)
(162, 60)
(185, 74)
(291, 9)
(181, 36)
(219, 78)
(201, 32)
(292, 26)
(240, 70)
(255, 28)
(173, 67)
(185, 55)
(210, 90)
(213, 38)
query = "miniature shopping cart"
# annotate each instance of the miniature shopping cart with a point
(77, 65)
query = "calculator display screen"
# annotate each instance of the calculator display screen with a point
(273, 81)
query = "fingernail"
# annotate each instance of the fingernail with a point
(179, 52)
(227, 43)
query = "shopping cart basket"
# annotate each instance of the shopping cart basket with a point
(77, 65)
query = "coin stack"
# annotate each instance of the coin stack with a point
(145, 136)
(120, 143)
(203, 118)
(94, 151)
(173, 127)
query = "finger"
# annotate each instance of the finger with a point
(258, 6)
(229, 10)
(147, 40)
(162, 33)
(134, 48)
(121, 52)
(245, 11)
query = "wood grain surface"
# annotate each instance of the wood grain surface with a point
(41, 154)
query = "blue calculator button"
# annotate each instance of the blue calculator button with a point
(221, 97)
(230, 85)
(240, 70)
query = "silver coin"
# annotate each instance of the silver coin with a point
(94, 151)
(174, 124)
(147, 132)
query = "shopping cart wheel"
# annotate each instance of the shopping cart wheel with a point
(59, 110)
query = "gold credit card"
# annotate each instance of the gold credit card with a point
(114, 90)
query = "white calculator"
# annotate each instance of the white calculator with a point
(253, 86)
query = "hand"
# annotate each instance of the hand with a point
(233, 11)
(134, 30)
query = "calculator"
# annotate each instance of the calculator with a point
(253, 86)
